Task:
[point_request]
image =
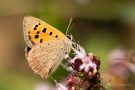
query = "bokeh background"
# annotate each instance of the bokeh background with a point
(100, 26)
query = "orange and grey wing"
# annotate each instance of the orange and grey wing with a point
(37, 31)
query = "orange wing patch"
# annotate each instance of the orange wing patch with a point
(43, 32)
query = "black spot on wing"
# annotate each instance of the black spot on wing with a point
(50, 33)
(56, 36)
(36, 36)
(29, 36)
(38, 32)
(44, 30)
(36, 26)
(41, 40)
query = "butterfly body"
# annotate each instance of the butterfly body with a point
(48, 46)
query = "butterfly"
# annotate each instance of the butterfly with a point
(46, 46)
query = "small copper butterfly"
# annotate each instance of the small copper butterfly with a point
(46, 46)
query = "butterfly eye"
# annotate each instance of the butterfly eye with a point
(69, 37)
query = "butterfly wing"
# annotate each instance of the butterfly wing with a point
(47, 45)
(44, 58)
(36, 31)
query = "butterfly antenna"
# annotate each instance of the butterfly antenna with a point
(69, 25)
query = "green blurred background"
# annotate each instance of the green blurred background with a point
(98, 25)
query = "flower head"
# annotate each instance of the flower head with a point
(87, 63)
(85, 71)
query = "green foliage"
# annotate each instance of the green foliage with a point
(108, 86)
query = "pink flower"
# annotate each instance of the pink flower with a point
(85, 71)
(73, 82)
(83, 62)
